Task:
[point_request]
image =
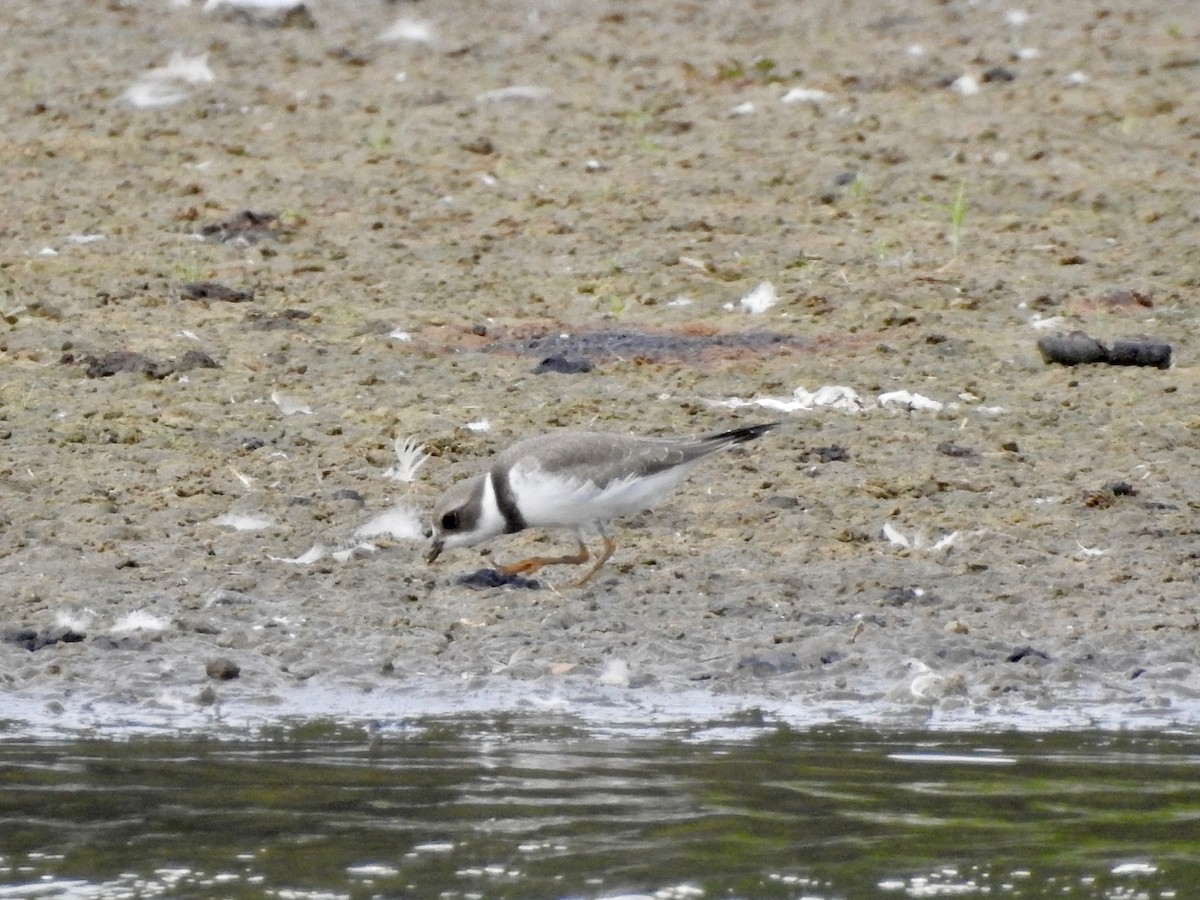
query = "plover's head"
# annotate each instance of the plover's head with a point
(467, 514)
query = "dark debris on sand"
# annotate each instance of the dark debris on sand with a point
(482, 579)
(113, 362)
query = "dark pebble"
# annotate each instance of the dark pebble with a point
(1140, 353)
(32, 639)
(214, 290)
(222, 669)
(832, 453)
(1027, 653)
(779, 501)
(349, 494)
(248, 226)
(287, 319)
(482, 145)
(1078, 348)
(997, 73)
(948, 448)
(899, 596)
(194, 359)
(562, 365)
(1072, 349)
(114, 362)
(483, 579)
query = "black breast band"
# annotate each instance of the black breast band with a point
(506, 500)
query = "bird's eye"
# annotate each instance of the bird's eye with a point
(450, 521)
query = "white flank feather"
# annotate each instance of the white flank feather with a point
(410, 456)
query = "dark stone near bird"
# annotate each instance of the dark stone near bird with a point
(1140, 353)
(1072, 349)
(901, 596)
(1023, 653)
(997, 73)
(222, 669)
(194, 359)
(214, 290)
(281, 321)
(833, 453)
(32, 639)
(948, 448)
(563, 365)
(247, 226)
(114, 362)
(482, 579)
(1077, 348)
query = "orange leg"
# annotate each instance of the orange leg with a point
(534, 563)
(609, 546)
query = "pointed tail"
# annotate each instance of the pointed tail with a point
(740, 435)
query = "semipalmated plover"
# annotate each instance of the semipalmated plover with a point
(570, 479)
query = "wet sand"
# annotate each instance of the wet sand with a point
(965, 174)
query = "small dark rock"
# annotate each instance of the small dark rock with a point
(194, 359)
(349, 494)
(32, 639)
(253, 443)
(1107, 495)
(997, 73)
(779, 501)
(287, 319)
(1140, 353)
(482, 579)
(213, 290)
(248, 226)
(563, 366)
(845, 178)
(832, 453)
(948, 448)
(222, 669)
(899, 596)
(1072, 349)
(1027, 652)
(481, 145)
(115, 361)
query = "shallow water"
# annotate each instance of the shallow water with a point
(527, 807)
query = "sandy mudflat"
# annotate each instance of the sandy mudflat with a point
(426, 208)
